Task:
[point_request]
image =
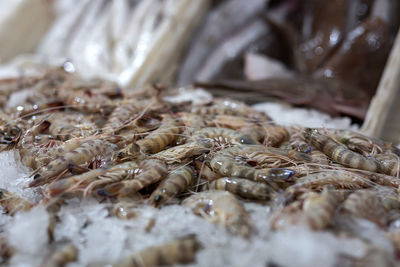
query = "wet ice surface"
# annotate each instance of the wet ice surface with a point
(15, 177)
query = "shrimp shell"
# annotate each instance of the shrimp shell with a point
(337, 179)
(315, 211)
(388, 163)
(160, 138)
(80, 155)
(222, 136)
(13, 203)
(26, 146)
(63, 185)
(221, 207)
(242, 187)
(61, 257)
(205, 171)
(57, 151)
(180, 251)
(66, 126)
(319, 209)
(365, 204)
(229, 121)
(121, 115)
(276, 135)
(153, 171)
(339, 152)
(178, 154)
(192, 122)
(176, 182)
(85, 100)
(132, 151)
(229, 107)
(224, 163)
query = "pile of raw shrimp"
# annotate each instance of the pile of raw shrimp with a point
(95, 140)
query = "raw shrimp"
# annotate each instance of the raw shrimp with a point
(297, 140)
(66, 126)
(229, 107)
(178, 154)
(363, 144)
(242, 187)
(254, 131)
(336, 178)
(204, 171)
(62, 256)
(378, 178)
(260, 154)
(180, 251)
(276, 135)
(191, 121)
(68, 183)
(13, 203)
(85, 100)
(319, 209)
(365, 204)
(315, 210)
(339, 152)
(221, 207)
(222, 136)
(230, 121)
(388, 163)
(176, 182)
(130, 152)
(224, 162)
(6, 251)
(54, 152)
(26, 145)
(122, 114)
(80, 155)
(153, 171)
(160, 138)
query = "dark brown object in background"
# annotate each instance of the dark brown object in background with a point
(323, 30)
(361, 57)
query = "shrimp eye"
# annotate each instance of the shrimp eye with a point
(157, 198)
(308, 149)
(36, 176)
(247, 140)
(102, 192)
(207, 207)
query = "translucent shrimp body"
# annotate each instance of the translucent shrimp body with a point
(339, 152)
(176, 182)
(242, 187)
(224, 162)
(160, 138)
(82, 154)
(182, 250)
(153, 171)
(222, 136)
(13, 203)
(222, 208)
